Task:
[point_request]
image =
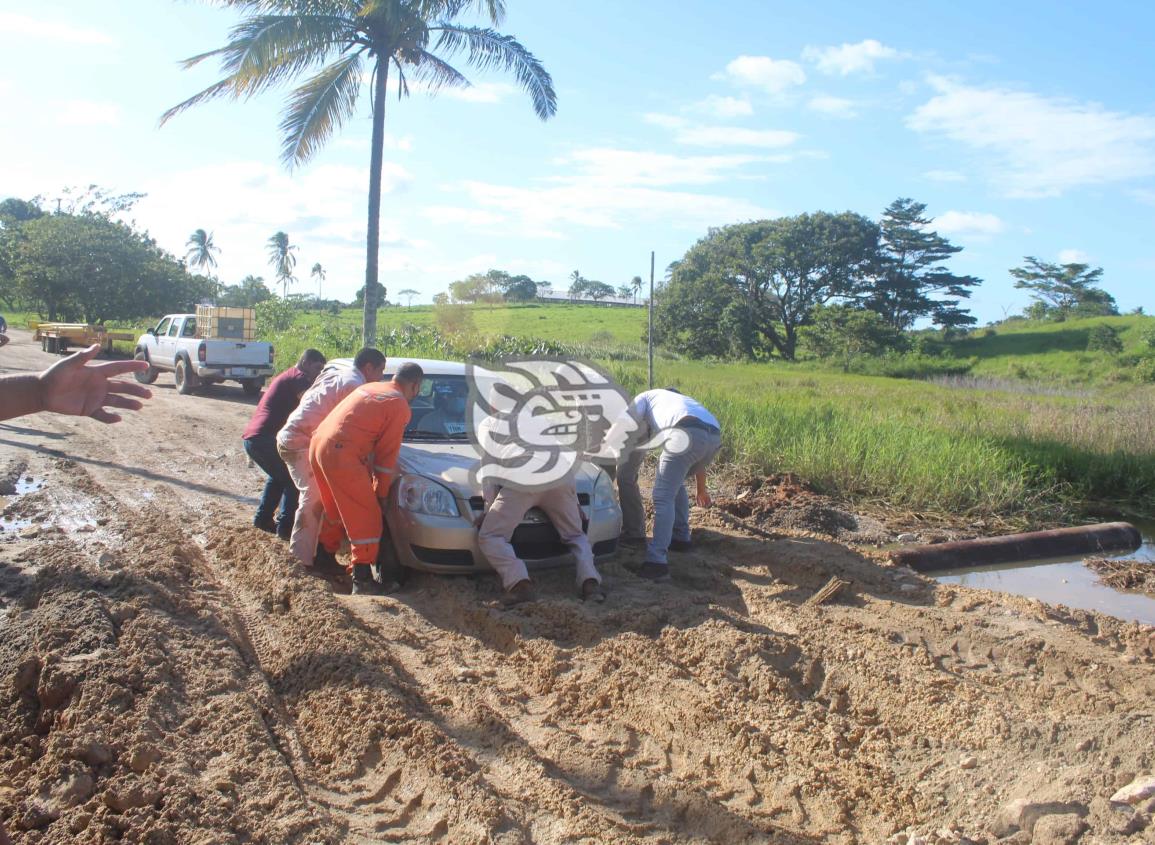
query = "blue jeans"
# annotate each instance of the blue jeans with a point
(671, 503)
(279, 488)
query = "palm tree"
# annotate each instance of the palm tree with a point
(283, 260)
(348, 40)
(318, 273)
(201, 250)
(636, 284)
(410, 293)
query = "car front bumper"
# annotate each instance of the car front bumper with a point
(449, 544)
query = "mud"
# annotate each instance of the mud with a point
(1137, 575)
(168, 676)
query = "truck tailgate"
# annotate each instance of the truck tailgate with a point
(230, 353)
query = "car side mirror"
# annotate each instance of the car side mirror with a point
(151, 332)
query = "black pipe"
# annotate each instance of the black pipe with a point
(1060, 542)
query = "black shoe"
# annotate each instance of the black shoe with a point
(268, 526)
(364, 584)
(651, 570)
(592, 591)
(326, 563)
(633, 542)
(520, 593)
(681, 545)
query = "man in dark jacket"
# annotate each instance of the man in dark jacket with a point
(260, 439)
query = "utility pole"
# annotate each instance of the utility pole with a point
(650, 336)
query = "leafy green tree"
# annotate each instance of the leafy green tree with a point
(844, 333)
(283, 259)
(520, 289)
(409, 293)
(1104, 338)
(441, 298)
(341, 43)
(87, 266)
(378, 299)
(1064, 290)
(597, 291)
(476, 287)
(746, 290)
(251, 291)
(911, 276)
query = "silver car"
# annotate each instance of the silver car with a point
(435, 501)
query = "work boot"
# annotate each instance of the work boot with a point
(633, 542)
(651, 570)
(681, 545)
(521, 592)
(364, 584)
(325, 563)
(266, 525)
(592, 591)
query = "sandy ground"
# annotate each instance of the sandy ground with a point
(167, 676)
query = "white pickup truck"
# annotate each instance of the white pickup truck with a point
(176, 345)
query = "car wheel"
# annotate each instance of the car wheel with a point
(252, 386)
(145, 376)
(186, 379)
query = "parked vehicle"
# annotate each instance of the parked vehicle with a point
(434, 502)
(58, 337)
(177, 344)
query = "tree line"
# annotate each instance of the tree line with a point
(753, 290)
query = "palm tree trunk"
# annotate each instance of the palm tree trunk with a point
(373, 235)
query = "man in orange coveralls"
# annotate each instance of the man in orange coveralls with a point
(353, 454)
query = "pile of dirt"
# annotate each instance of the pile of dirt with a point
(1138, 575)
(785, 502)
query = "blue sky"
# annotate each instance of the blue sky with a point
(1028, 128)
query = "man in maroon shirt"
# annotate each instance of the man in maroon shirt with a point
(260, 439)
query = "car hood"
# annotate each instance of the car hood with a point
(452, 464)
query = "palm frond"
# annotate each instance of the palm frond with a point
(436, 73)
(487, 49)
(319, 107)
(447, 10)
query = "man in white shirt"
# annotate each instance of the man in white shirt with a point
(692, 437)
(333, 384)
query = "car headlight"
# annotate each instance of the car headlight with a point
(604, 493)
(418, 494)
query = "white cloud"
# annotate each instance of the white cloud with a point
(725, 107)
(968, 224)
(849, 58)
(612, 189)
(1040, 146)
(402, 143)
(86, 113)
(774, 76)
(729, 136)
(944, 176)
(832, 107)
(453, 216)
(55, 32)
(243, 203)
(666, 121)
(480, 92)
(1073, 256)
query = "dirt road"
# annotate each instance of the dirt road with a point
(169, 677)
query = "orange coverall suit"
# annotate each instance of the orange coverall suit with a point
(353, 453)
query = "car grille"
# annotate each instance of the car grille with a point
(477, 503)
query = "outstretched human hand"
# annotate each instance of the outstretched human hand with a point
(71, 386)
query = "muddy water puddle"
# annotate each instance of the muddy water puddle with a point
(1064, 581)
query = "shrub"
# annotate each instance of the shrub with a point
(1104, 338)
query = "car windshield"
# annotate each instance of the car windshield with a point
(439, 409)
